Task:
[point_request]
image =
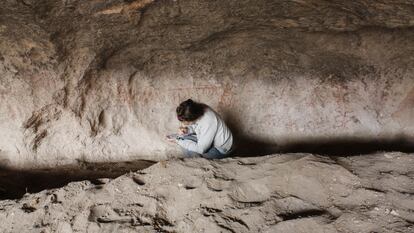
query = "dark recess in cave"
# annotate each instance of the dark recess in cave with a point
(15, 183)
(248, 147)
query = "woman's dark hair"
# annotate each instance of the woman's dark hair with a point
(190, 110)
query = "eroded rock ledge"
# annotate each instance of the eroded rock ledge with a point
(276, 193)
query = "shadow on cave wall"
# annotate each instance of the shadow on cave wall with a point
(248, 146)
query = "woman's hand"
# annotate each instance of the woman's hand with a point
(182, 130)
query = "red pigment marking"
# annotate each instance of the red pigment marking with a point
(122, 94)
(406, 105)
(196, 88)
(147, 95)
(226, 97)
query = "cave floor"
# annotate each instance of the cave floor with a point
(291, 192)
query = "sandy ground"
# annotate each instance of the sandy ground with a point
(276, 193)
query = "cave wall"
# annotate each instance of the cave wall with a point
(100, 80)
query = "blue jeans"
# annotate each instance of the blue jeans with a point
(211, 153)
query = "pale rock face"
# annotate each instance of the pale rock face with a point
(85, 85)
(99, 80)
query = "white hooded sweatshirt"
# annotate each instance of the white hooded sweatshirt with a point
(210, 130)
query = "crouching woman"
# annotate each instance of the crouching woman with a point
(202, 131)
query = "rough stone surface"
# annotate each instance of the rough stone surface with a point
(99, 80)
(84, 84)
(276, 193)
